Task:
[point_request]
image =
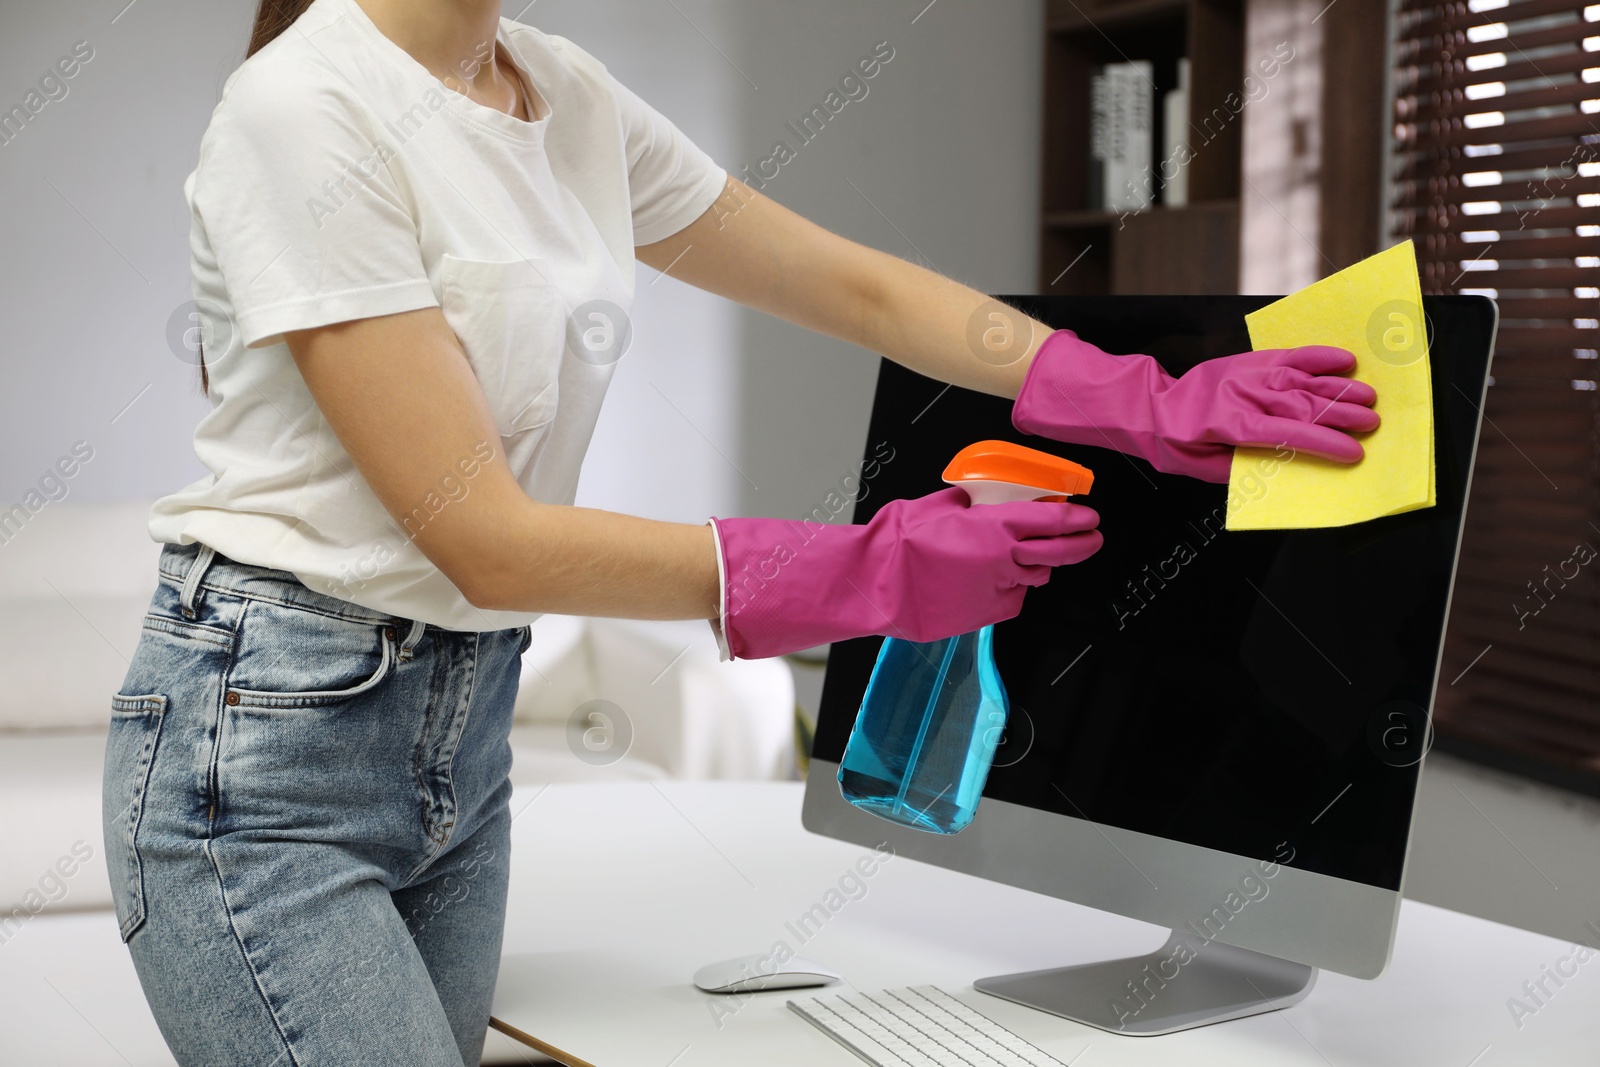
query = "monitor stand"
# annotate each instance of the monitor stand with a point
(1189, 982)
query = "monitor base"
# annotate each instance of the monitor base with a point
(1188, 982)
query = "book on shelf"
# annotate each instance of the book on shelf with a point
(1121, 136)
(1175, 138)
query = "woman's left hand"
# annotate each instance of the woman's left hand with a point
(1296, 398)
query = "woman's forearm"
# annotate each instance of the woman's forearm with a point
(534, 557)
(941, 328)
(753, 250)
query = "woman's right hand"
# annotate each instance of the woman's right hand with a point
(921, 569)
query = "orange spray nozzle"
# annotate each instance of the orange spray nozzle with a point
(994, 472)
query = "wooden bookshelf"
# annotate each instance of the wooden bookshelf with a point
(1188, 249)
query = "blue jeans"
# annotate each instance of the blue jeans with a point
(306, 822)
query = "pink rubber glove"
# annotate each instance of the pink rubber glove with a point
(1076, 393)
(922, 569)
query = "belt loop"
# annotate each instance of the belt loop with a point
(191, 584)
(415, 635)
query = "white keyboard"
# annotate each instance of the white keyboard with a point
(921, 1026)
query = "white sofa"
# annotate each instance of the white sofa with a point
(76, 580)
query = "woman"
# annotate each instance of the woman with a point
(401, 210)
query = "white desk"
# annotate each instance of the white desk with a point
(619, 892)
(617, 898)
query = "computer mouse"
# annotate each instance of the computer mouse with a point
(752, 974)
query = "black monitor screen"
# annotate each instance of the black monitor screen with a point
(1263, 693)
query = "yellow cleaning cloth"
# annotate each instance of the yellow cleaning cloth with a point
(1374, 309)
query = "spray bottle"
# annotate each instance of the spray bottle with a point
(934, 711)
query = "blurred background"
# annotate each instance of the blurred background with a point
(1021, 147)
(1311, 134)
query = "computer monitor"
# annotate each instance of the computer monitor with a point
(1218, 732)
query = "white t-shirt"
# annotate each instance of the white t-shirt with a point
(340, 180)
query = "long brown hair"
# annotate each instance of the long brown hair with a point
(272, 18)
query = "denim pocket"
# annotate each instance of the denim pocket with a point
(289, 657)
(131, 744)
(192, 631)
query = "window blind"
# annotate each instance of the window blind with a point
(1496, 150)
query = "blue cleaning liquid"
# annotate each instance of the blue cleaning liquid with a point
(927, 731)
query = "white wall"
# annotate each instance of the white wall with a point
(94, 238)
